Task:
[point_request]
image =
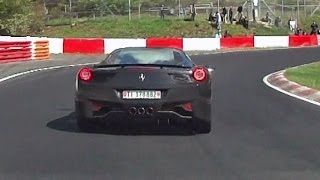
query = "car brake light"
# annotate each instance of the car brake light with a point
(85, 74)
(187, 107)
(199, 74)
(96, 106)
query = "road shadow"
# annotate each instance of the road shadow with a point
(68, 124)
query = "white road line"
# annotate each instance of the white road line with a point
(41, 69)
(265, 80)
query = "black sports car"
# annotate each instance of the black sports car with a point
(162, 85)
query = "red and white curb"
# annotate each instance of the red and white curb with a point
(280, 83)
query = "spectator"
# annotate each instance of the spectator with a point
(240, 9)
(211, 19)
(231, 15)
(245, 23)
(298, 31)
(224, 14)
(254, 15)
(193, 12)
(4, 31)
(240, 12)
(162, 11)
(289, 23)
(226, 34)
(292, 24)
(277, 21)
(218, 20)
(268, 18)
(314, 28)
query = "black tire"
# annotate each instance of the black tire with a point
(82, 113)
(201, 126)
(85, 125)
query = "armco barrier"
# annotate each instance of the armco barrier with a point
(165, 42)
(112, 44)
(55, 45)
(305, 40)
(201, 44)
(237, 42)
(40, 50)
(80, 45)
(99, 45)
(271, 41)
(15, 51)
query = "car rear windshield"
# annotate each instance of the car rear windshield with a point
(149, 56)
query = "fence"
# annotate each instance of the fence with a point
(179, 8)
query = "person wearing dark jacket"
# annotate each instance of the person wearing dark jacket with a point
(226, 34)
(193, 12)
(211, 19)
(224, 13)
(314, 28)
(162, 11)
(240, 11)
(231, 15)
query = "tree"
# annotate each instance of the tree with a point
(18, 15)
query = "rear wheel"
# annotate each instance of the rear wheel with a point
(83, 112)
(85, 125)
(202, 126)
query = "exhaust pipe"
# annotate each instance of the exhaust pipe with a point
(133, 111)
(149, 110)
(141, 110)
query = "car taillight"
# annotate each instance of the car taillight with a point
(96, 106)
(200, 74)
(85, 74)
(187, 107)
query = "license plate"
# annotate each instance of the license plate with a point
(141, 94)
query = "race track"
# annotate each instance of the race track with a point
(258, 133)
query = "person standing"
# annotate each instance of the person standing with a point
(224, 14)
(314, 28)
(218, 21)
(231, 15)
(162, 11)
(240, 12)
(193, 12)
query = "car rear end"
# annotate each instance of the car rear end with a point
(152, 93)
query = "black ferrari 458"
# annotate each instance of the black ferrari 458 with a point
(159, 85)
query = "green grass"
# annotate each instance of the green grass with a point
(150, 26)
(308, 75)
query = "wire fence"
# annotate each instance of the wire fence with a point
(182, 9)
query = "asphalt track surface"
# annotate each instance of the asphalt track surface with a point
(258, 133)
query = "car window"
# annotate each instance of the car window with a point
(149, 56)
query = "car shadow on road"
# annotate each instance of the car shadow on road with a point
(68, 124)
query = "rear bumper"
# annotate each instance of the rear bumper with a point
(157, 117)
(139, 111)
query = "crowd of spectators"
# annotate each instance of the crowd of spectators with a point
(216, 19)
(314, 30)
(226, 16)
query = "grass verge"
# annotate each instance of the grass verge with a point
(120, 27)
(308, 75)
